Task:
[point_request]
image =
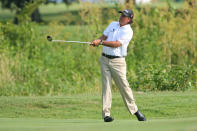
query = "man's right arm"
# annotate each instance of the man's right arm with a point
(97, 41)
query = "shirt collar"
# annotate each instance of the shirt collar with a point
(125, 26)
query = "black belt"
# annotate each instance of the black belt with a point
(111, 56)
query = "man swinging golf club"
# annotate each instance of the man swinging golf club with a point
(115, 40)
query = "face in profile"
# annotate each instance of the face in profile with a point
(124, 20)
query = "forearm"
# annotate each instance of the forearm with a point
(113, 44)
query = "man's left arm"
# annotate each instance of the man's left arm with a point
(112, 44)
(102, 39)
(125, 37)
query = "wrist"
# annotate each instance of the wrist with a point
(101, 42)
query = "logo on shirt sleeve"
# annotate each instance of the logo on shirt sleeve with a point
(113, 30)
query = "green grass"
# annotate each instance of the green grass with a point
(58, 12)
(30, 65)
(51, 12)
(164, 111)
(155, 105)
(6, 15)
(188, 124)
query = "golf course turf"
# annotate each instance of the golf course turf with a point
(82, 112)
(9, 124)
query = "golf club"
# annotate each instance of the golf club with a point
(49, 38)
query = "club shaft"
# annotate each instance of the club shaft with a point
(71, 41)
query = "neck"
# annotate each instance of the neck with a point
(122, 25)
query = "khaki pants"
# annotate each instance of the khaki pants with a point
(116, 69)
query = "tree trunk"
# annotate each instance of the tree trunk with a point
(191, 3)
(15, 18)
(128, 1)
(36, 16)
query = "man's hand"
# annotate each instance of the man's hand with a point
(95, 42)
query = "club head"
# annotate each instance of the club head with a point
(49, 38)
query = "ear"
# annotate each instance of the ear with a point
(129, 19)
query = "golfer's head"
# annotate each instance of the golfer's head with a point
(126, 17)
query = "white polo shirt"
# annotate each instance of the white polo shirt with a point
(116, 33)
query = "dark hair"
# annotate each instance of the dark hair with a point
(131, 21)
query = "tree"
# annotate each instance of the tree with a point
(191, 3)
(68, 2)
(128, 1)
(19, 5)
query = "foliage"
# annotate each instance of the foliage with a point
(26, 12)
(36, 67)
(25, 9)
(68, 2)
(163, 77)
(161, 56)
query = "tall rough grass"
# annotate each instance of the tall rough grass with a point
(161, 56)
(165, 40)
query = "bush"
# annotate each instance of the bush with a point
(161, 56)
(35, 66)
(164, 77)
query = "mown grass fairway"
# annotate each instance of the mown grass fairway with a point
(188, 124)
(88, 106)
(164, 111)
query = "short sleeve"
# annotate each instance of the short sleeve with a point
(125, 36)
(107, 30)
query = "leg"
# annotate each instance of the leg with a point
(118, 70)
(106, 87)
